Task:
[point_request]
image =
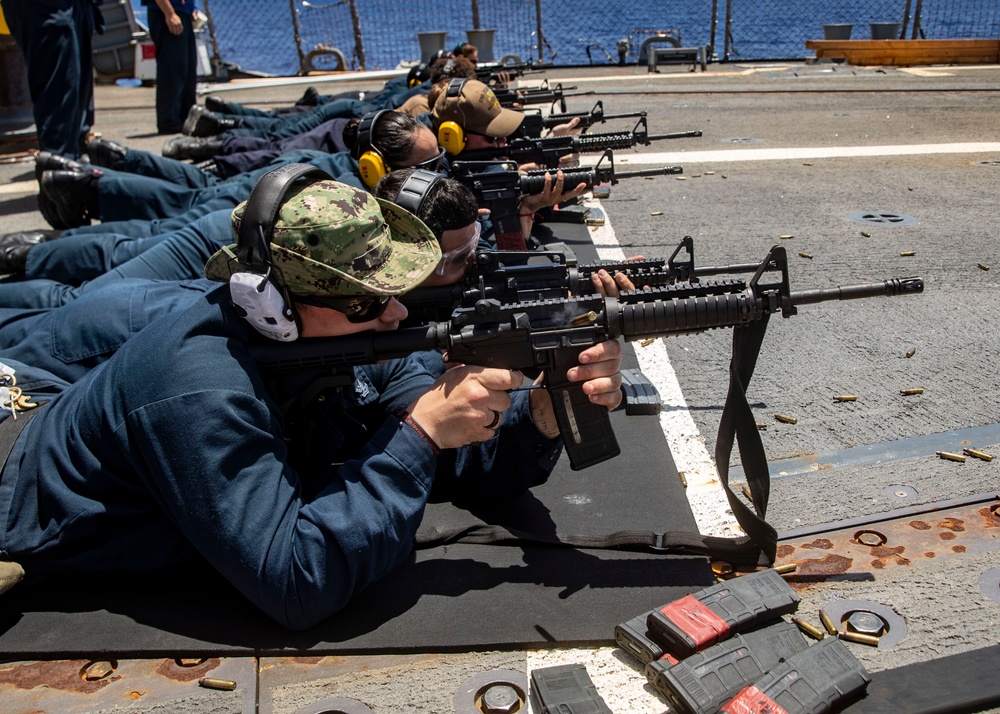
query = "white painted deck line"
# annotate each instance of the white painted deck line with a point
(799, 153)
(18, 187)
(705, 495)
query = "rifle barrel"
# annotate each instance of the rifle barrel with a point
(675, 135)
(661, 171)
(887, 288)
(695, 314)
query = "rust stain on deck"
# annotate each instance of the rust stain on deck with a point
(63, 675)
(171, 670)
(821, 543)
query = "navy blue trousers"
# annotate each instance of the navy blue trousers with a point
(176, 70)
(55, 38)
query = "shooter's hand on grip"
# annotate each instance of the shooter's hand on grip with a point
(581, 391)
(465, 405)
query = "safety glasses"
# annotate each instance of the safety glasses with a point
(433, 164)
(358, 308)
(455, 259)
(486, 138)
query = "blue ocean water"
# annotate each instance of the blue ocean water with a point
(259, 35)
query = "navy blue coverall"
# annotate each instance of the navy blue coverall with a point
(180, 445)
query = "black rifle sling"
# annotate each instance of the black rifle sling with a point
(737, 422)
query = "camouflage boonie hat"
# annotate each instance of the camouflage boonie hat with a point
(331, 239)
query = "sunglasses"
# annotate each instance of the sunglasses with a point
(358, 308)
(455, 259)
(432, 164)
(486, 138)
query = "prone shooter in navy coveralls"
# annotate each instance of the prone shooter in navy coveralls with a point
(144, 484)
(175, 248)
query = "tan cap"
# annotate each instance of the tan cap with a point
(476, 109)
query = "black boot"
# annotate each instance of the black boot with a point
(14, 248)
(309, 99)
(195, 149)
(214, 103)
(201, 122)
(47, 161)
(71, 196)
(106, 153)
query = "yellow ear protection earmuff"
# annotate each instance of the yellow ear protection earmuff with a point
(371, 165)
(256, 295)
(450, 134)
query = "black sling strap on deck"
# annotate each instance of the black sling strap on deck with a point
(758, 547)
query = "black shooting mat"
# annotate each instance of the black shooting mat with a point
(460, 596)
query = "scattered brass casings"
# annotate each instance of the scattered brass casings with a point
(911, 390)
(827, 622)
(722, 568)
(762, 426)
(681, 178)
(786, 237)
(786, 419)
(977, 454)
(786, 568)
(910, 352)
(951, 456)
(866, 234)
(907, 253)
(683, 478)
(210, 683)
(845, 398)
(869, 640)
(809, 629)
(805, 255)
(710, 173)
(746, 492)
(656, 213)
(647, 342)
(584, 318)
(98, 670)
(983, 266)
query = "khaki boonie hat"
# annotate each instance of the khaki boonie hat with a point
(477, 109)
(331, 239)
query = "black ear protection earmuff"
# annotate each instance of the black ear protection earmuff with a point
(257, 296)
(415, 189)
(418, 74)
(371, 165)
(450, 135)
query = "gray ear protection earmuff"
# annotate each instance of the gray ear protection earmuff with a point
(415, 189)
(257, 296)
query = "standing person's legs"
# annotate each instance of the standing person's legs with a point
(176, 63)
(53, 41)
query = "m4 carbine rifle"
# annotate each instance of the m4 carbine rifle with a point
(501, 190)
(543, 94)
(549, 335)
(518, 276)
(547, 152)
(494, 73)
(534, 123)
